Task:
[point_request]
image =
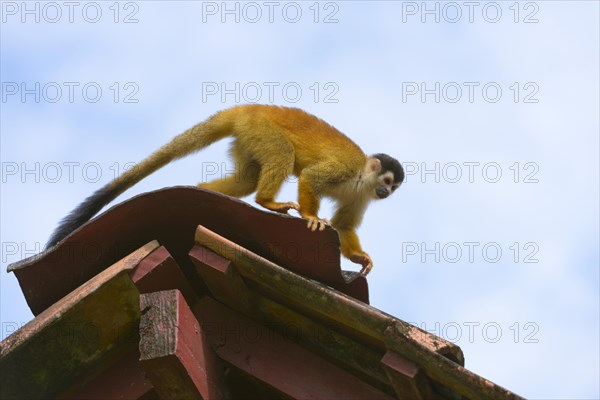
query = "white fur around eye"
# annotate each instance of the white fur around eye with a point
(387, 178)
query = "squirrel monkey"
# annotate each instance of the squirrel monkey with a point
(270, 144)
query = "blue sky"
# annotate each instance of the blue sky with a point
(495, 248)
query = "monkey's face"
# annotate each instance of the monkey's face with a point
(385, 185)
(385, 174)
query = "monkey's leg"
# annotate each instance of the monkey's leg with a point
(243, 181)
(231, 186)
(277, 164)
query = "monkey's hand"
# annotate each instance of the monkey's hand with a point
(315, 223)
(364, 260)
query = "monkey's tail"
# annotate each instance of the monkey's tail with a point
(199, 136)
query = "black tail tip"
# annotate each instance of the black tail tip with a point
(81, 214)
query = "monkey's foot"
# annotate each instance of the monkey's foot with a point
(282, 208)
(316, 222)
(365, 261)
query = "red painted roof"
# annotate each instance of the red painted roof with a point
(171, 216)
(194, 294)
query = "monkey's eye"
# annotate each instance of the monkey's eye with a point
(387, 181)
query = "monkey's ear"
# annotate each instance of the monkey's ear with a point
(373, 164)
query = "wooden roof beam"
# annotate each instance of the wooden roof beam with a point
(228, 287)
(276, 361)
(174, 351)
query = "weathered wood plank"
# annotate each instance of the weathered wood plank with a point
(120, 377)
(227, 286)
(276, 361)
(75, 333)
(326, 303)
(224, 283)
(174, 351)
(441, 360)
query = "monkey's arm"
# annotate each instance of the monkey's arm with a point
(319, 180)
(308, 199)
(345, 220)
(309, 204)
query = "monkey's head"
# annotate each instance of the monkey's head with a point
(385, 175)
